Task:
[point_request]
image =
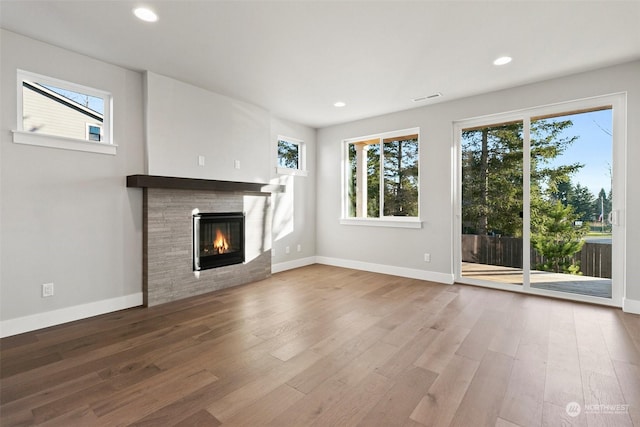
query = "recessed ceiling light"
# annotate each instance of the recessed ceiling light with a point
(339, 104)
(145, 14)
(502, 60)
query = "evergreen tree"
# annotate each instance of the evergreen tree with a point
(400, 159)
(492, 164)
(492, 161)
(557, 239)
(373, 181)
(602, 206)
(401, 177)
(564, 192)
(582, 200)
(288, 155)
(492, 180)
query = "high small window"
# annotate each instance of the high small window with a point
(60, 114)
(382, 175)
(291, 156)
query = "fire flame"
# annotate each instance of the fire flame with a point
(220, 244)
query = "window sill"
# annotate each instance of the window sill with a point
(394, 222)
(51, 141)
(294, 172)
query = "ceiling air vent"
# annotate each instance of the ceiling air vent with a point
(425, 98)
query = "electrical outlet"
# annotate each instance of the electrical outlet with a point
(299, 248)
(200, 160)
(427, 257)
(47, 290)
(287, 250)
(236, 164)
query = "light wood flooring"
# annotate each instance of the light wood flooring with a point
(326, 346)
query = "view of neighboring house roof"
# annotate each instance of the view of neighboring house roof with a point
(36, 87)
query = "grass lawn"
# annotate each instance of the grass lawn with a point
(599, 234)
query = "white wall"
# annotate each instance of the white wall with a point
(67, 216)
(294, 211)
(184, 122)
(404, 248)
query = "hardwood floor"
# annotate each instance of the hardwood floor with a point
(326, 346)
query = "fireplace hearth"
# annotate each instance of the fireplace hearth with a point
(167, 229)
(218, 240)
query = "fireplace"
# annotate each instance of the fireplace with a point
(218, 240)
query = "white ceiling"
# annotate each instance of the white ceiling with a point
(297, 58)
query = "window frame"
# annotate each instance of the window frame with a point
(21, 136)
(89, 133)
(382, 220)
(618, 102)
(302, 157)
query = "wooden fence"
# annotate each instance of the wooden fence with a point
(594, 258)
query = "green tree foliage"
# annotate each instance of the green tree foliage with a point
(582, 201)
(492, 180)
(288, 155)
(373, 181)
(557, 239)
(492, 168)
(400, 174)
(351, 187)
(577, 196)
(602, 205)
(401, 178)
(492, 161)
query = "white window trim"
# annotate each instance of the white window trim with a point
(386, 221)
(53, 141)
(382, 221)
(20, 136)
(302, 157)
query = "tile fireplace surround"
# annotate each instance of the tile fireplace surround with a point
(168, 207)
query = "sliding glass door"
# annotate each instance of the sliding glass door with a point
(539, 200)
(492, 171)
(571, 202)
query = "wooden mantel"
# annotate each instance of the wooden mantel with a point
(169, 182)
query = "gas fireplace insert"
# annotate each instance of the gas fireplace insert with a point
(218, 240)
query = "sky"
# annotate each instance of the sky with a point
(593, 149)
(94, 103)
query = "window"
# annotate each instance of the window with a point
(94, 133)
(59, 114)
(382, 173)
(538, 193)
(291, 156)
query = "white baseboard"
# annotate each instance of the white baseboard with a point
(56, 317)
(631, 306)
(289, 265)
(388, 269)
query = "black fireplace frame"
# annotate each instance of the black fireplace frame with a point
(220, 260)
